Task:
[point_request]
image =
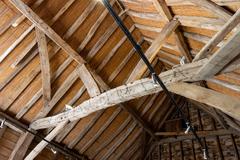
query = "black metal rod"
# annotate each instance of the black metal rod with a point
(146, 61)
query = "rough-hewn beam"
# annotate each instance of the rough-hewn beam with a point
(120, 94)
(164, 11)
(43, 144)
(133, 114)
(227, 104)
(39, 23)
(88, 80)
(153, 49)
(189, 21)
(45, 66)
(222, 57)
(218, 37)
(213, 8)
(35, 19)
(22, 17)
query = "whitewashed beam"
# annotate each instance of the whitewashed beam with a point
(153, 49)
(120, 94)
(35, 19)
(222, 57)
(219, 36)
(227, 104)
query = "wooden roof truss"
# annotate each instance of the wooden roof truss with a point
(199, 67)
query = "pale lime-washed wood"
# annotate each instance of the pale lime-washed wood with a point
(121, 94)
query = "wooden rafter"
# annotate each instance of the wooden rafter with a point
(41, 25)
(88, 80)
(35, 19)
(225, 103)
(213, 8)
(45, 66)
(153, 50)
(218, 37)
(189, 21)
(49, 108)
(164, 11)
(222, 57)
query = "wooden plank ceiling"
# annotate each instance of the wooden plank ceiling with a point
(54, 53)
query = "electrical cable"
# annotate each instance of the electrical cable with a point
(151, 69)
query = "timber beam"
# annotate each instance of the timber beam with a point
(121, 94)
(153, 49)
(227, 104)
(222, 57)
(164, 11)
(219, 36)
(213, 8)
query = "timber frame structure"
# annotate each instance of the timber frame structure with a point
(73, 87)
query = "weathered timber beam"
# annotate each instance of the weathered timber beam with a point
(225, 103)
(132, 113)
(164, 11)
(88, 80)
(43, 144)
(39, 23)
(180, 2)
(235, 64)
(213, 8)
(219, 36)
(153, 50)
(35, 19)
(22, 17)
(33, 53)
(121, 94)
(71, 125)
(45, 66)
(222, 57)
